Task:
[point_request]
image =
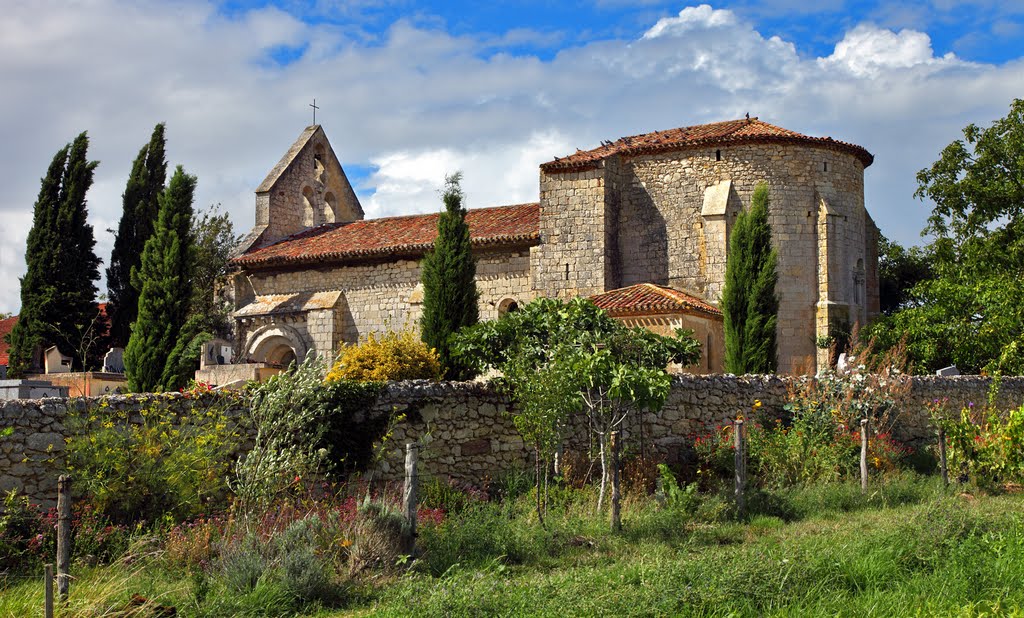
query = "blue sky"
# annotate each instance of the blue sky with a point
(409, 91)
(980, 30)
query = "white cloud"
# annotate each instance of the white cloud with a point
(868, 51)
(493, 174)
(417, 102)
(692, 18)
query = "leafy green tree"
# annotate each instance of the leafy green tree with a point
(58, 291)
(138, 216)
(559, 358)
(214, 238)
(899, 270)
(969, 312)
(165, 271)
(449, 281)
(749, 305)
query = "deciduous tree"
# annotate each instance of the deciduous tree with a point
(969, 312)
(559, 358)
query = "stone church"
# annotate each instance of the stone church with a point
(639, 225)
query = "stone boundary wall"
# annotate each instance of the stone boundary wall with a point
(466, 433)
(32, 457)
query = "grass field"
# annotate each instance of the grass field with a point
(909, 548)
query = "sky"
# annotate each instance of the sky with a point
(409, 91)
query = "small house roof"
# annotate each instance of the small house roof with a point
(652, 299)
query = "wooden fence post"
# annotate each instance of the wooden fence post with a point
(616, 490)
(63, 535)
(410, 499)
(864, 454)
(741, 466)
(48, 602)
(943, 465)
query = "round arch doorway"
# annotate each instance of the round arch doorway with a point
(277, 345)
(280, 354)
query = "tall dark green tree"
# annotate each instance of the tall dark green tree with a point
(138, 217)
(449, 281)
(58, 291)
(163, 281)
(749, 305)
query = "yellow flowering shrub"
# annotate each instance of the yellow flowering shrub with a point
(386, 357)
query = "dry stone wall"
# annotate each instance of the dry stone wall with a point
(466, 432)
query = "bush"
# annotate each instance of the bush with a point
(304, 427)
(160, 462)
(244, 563)
(672, 495)
(376, 537)
(815, 447)
(305, 572)
(27, 535)
(449, 496)
(387, 357)
(987, 445)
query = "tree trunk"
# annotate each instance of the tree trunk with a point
(616, 490)
(540, 510)
(604, 471)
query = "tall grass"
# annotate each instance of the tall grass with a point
(906, 548)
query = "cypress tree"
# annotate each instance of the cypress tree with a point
(449, 281)
(58, 291)
(162, 281)
(138, 216)
(749, 305)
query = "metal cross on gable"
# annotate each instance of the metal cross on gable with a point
(314, 106)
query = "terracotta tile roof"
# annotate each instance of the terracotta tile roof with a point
(651, 299)
(6, 325)
(395, 236)
(728, 132)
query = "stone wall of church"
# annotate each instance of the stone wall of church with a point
(662, 236)
(572, 259)
(387, 295)
(311, 190)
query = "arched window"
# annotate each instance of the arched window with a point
(507, 305)
(330, 208)
(858, 282)
(308, 212)
(319, 169)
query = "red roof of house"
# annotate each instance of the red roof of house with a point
(6, 325)
(729, 132)
(651, 299)
(396, 236)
